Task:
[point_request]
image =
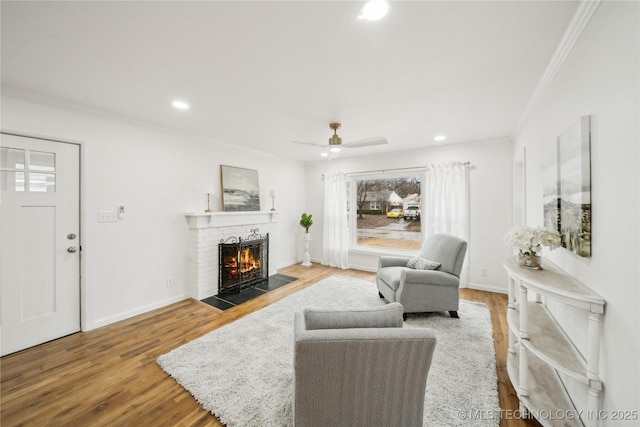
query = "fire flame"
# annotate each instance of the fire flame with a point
(247, 262)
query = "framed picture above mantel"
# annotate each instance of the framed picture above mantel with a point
(240, 189)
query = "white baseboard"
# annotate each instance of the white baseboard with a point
(363, 268)
(289, 263)
(141, 310)
(486, 288)
(476, 286)
(351, 266)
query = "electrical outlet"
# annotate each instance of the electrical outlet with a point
(484, 273)
(169, 282)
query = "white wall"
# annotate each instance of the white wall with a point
(601, 78)
(159, 176)
(490, 201)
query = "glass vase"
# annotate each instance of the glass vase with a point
(529, 260)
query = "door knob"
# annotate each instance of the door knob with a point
(71, 249)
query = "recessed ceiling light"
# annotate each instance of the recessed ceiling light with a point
(180, 105)
(374, 10)
(440, 138)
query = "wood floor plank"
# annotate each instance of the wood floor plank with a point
(109, 376)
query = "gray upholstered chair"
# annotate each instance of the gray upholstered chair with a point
(359, 368)
(425, 290)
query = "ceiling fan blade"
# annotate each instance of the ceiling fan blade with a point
(366, 142)
(309, 143)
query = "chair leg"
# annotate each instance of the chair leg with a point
(454, 314)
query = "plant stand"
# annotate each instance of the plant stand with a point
(306, 259)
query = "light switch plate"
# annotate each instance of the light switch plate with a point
(107, 216)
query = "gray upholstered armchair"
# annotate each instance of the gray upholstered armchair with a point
(428, 286)
(359, 368)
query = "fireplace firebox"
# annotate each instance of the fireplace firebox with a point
(243, 263)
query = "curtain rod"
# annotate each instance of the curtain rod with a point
(417, 168)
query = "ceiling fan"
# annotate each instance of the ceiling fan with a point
(336, 145)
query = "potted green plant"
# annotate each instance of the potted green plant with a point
(306, 222)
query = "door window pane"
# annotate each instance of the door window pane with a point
(42, 182)
(12, 161)
(11, 181)
(42, 162)
(11, 158)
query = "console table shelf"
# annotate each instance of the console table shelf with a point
(539, 349)
(548, 341)
(545, 389)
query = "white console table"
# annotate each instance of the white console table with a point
(539, 349)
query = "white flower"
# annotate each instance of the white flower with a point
(531, 240)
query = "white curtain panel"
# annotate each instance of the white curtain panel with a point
(335, 238)
(446, 204)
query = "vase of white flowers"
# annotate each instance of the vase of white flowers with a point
(529, 241)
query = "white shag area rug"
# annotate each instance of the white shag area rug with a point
(243, 371)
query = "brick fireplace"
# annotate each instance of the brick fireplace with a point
(206, 231)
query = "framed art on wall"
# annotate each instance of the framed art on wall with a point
(240, 189)
(567, 189)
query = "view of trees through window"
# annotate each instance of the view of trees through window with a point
(388, 212)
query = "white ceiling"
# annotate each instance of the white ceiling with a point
(261, 73)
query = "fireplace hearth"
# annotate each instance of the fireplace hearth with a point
(243, 263)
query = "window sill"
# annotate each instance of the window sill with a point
(371, 250)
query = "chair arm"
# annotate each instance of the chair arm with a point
(429, 277)
(299, 325)
(392, 261)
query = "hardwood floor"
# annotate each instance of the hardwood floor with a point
(109, 376)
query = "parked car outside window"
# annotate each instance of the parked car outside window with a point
(394, 213)
(412, 212)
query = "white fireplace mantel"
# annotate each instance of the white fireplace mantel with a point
(206, 230)
(226, 219)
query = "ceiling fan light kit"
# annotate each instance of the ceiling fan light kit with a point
(336, 145)
(335, 139)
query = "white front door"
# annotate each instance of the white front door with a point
(39, 241)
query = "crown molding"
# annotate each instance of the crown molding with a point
(581, 18)
(59, 103)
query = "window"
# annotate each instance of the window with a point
(26, 170)
(381, 201)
